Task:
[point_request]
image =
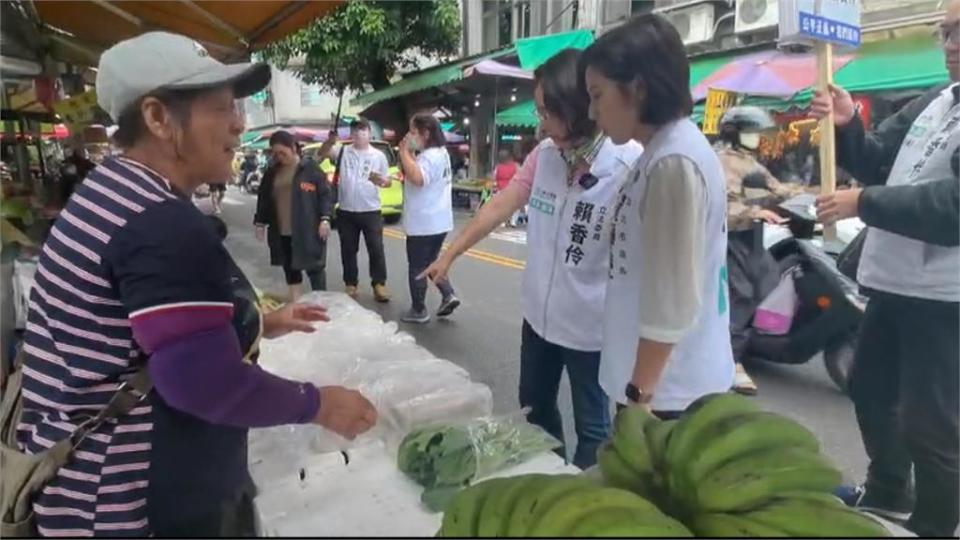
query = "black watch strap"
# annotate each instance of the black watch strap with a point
(635, 395)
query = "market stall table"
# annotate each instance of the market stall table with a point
(312, 483)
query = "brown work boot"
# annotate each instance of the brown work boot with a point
(351, 291)
(380, 293)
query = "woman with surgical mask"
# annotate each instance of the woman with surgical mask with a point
(751, 190)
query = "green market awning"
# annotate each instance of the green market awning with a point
(531, 51)
(905, 63)
(534, 51)
(427, 78)
(524, 114)
(520, 115)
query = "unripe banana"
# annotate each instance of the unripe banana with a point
(460, 518)
(568, 510)
(658, 436)
(721, 525)
(617, 473)
(630, 440)
(757, 478)
(620, 522)
(539, 496)
(806, 517)
(495, 514)
(742, 434)
(700, 415)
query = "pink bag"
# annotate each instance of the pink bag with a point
(775, 314)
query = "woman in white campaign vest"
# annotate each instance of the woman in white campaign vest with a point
(568, 181)
(666, 339)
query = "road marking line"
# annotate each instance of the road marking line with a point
(485, 256)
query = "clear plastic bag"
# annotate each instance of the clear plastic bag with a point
(457, 453)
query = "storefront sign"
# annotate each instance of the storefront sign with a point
(78, 110)
(718, 101)
(832, 21)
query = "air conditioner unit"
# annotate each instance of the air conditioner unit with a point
(695, 24)
(752, 15)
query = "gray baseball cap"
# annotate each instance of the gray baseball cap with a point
(153, 61)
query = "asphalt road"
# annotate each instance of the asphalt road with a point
(484, 334)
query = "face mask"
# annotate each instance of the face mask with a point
(413, 144)
(750, 141)
(362, 137)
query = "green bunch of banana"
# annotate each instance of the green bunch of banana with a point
(724, 467)
(539, 505)
(799, 514)
(634, 457)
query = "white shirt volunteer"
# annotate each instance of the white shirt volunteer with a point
(565, 277)
(677, 185)
(356, 193)
(428, 209)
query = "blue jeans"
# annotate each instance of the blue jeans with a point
(541, 365)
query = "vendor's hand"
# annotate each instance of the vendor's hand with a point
(438, 269)
(838, 101)
(293, 318)
(260, 232)
(839, 205)
(771, 217)
(324, 230)
(345, 412)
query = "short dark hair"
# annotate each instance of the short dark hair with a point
(646, 49)
(359, 124)
(284, 138)
(429, 123)
(130, 125)
(563, 96)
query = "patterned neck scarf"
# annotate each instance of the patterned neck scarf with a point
(580, 158)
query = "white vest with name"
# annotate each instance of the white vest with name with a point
(900, 265)
(702, 362)
(565, 275)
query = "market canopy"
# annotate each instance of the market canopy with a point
(427, 78)
(534, 51)
(228, 29)
(525, 114)
(520, 115)
(531, 53)
(768, 73)
(911, 62)
(497, 69)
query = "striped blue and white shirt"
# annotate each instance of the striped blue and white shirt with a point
(125, 246)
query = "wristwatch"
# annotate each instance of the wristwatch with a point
(637, 396)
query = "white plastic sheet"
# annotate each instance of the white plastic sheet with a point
(408, 385)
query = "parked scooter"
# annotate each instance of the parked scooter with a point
(251, 182)
(829, 307)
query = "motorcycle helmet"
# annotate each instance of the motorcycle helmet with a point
(742, 126)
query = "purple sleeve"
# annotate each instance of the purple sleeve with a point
(201, 374)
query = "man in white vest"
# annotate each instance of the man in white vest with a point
(905, 379)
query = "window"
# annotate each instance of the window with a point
(523, 14)
(497, 23)
(309, 95)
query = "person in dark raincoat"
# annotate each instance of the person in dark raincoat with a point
(294, 205)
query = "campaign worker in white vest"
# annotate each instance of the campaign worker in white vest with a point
(427, 212)
(568, 181)
(666, 339)
(905, 377)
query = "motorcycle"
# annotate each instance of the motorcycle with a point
(251, 182)
(829, 306)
